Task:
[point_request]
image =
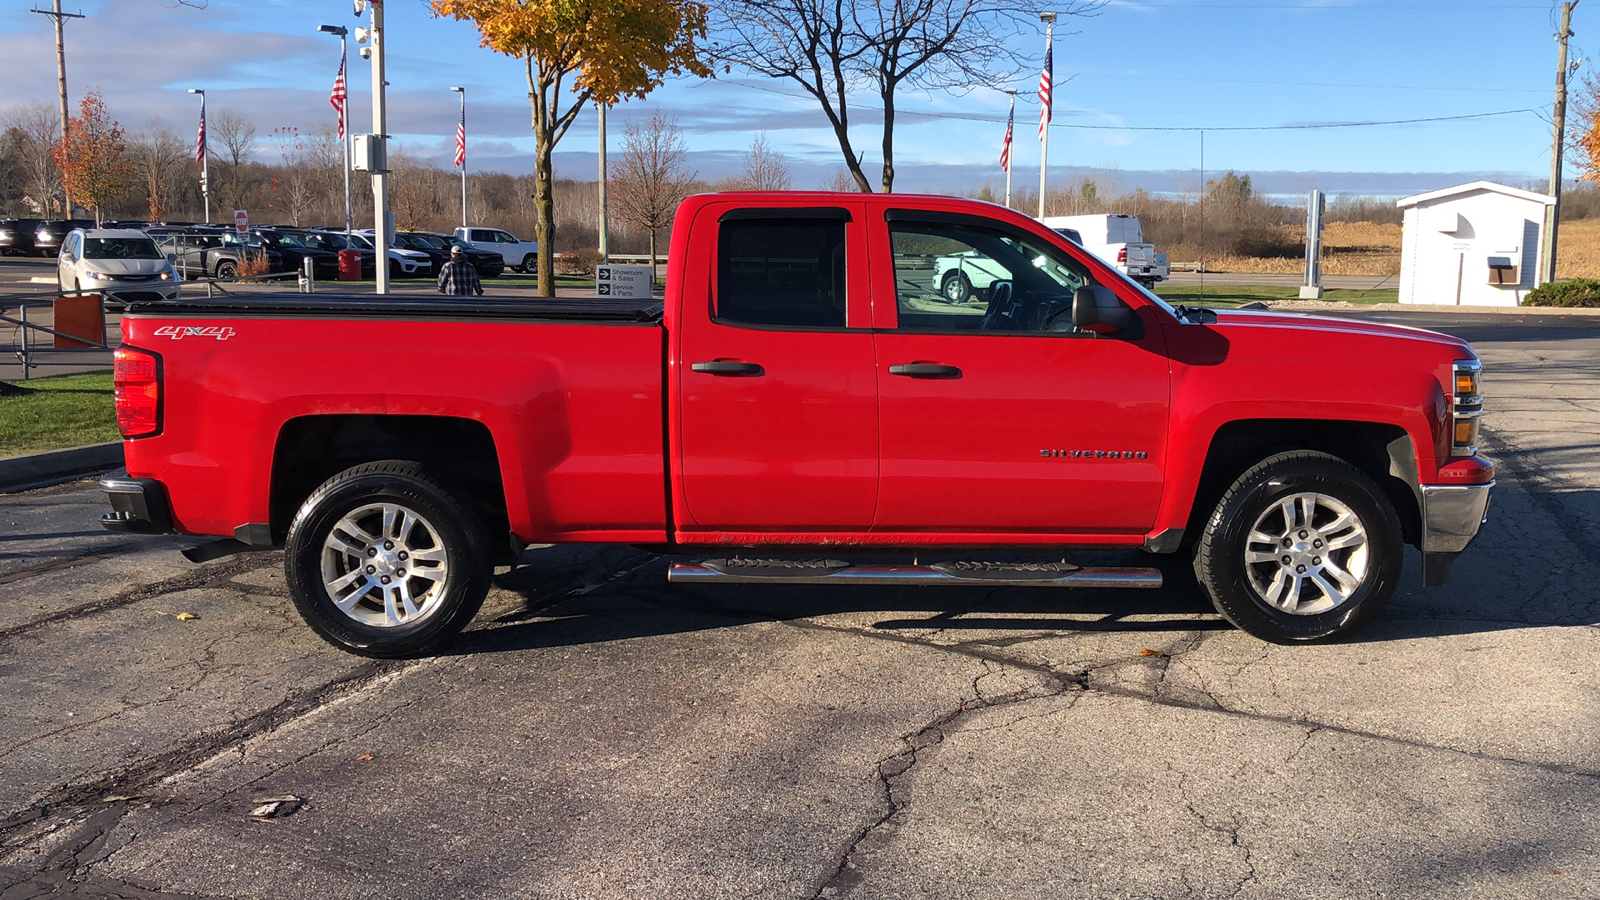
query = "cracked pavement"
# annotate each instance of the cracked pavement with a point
(600, 733)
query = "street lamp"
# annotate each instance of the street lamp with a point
(344, 113)
(205, 156)
(1049, 20)
(461, 136)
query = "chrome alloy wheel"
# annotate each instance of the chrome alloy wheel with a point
(1307, 554)
(384, 566)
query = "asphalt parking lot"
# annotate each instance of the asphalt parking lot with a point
(601, 733)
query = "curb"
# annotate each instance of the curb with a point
(1494, 310)
(21, 473)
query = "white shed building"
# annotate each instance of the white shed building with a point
(1474, 244)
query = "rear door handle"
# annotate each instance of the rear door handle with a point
(724, 367)
(925, 370)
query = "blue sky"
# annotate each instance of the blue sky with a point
(1202, 64)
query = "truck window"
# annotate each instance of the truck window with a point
(965, 278)
(781, 272)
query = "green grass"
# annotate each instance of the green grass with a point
(58, 412)
(1240, 294)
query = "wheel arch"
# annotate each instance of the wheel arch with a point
(1385, 452)
(311, 449)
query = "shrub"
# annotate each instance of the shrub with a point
(1584, 292)
(577, 262)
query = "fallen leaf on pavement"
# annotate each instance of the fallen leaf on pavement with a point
(365, 757)
(184, 617)
(1155, 653)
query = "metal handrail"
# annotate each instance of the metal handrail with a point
(41, 298)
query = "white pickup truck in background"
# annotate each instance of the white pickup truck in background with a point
(522, 256)
(1118, 240)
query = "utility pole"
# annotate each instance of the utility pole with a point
(61, 76)
(1552, 216)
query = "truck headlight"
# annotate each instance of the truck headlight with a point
(1467, 409)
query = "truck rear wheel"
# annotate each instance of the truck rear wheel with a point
(382, 560)
(1303, 547)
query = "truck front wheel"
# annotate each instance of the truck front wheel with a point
(382, 560)
(956, 287)
(1303, 547)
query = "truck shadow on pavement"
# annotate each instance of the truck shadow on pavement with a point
(1496, 589)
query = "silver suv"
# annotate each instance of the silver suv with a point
(122, 264)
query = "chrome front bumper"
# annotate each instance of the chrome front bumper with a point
(1451, 515)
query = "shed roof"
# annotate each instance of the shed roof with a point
(1442, 193)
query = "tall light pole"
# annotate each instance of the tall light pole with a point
(605, 250)
(205, 156)
(1048, 88)
(461, 152)
(380, 176)
(344, 114)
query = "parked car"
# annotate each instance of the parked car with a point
(49, 234)
(521, 256)
(219, 253)
(16, 235)
(333, 242)
(124, 265)
(403, 260)
(1117, 239)
(437, 246)
(295, 250)
(790, 410)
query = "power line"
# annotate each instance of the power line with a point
(1306, 126)
(1392, 87)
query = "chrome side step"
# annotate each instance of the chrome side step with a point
(834, 571)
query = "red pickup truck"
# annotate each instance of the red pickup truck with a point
(803, 397)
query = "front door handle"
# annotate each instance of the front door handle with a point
(925, 370)
(725, 367)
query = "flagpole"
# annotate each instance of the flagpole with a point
(204, 153)
(1010, 117)
(344, 126)
(1044, 125)
(463, 92)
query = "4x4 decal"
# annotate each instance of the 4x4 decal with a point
(179, 332)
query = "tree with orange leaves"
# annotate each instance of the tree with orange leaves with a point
(1583, 134)
(601, 50)
(93, 157)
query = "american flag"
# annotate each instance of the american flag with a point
(1005, 148)
(200, 137)
(337, 98)
(461, 140)
(1044, 90)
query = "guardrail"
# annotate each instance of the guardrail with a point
(31, 336)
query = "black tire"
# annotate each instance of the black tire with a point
(956, 288)
(1240, 589)
(530, 264)
(452, 531)
(227, 271)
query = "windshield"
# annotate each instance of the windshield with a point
(431, 242)
(338, 242)
(285, 239)
(120, 248)
(234, 240)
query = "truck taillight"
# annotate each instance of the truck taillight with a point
(1122, 254)
(137, 382)
(1467, 409)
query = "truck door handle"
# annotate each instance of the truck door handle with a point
(925, 370)
(724, 367)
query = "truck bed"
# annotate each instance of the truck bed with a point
(422, 306)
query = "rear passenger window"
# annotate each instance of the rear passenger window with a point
(785, 272)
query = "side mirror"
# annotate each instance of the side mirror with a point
(1097, 309)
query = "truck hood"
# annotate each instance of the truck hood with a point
(1231, 319)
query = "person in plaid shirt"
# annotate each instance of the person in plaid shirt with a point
(458, 276)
